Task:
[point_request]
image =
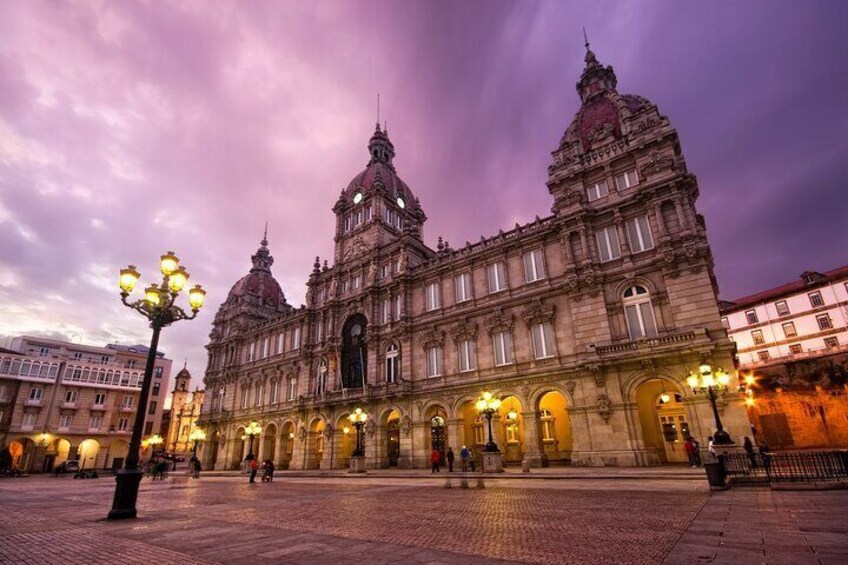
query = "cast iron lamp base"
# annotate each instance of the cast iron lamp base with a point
(126, 494)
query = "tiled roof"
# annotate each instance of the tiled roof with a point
(787, 289)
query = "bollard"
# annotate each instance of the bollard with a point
(480, 483)
(525, 466)
(463, 482)
(448, 483)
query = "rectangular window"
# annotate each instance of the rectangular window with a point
(434, 361)
(795, 348)
(462, 287)
(357, 281)
(44, 351)
(467, 356)
(245, 397)
(94, 423)
(296, 338)
(251, 351)
(384, 271)
(65, 422)
(148, 428)
(597, 190)
(292, 389)
(386, 314)
(158, 372)
(763, 355)
(639, 234)
(266, 347)
(608, 246)
(36, 393)
(502, 345)
(782, 308)
(626, 180)
(128, 401)
(497, 277)
(77, 355)
(151, 408)
(543, 340)
(725, 323)
(398, 305)
(275, 392)
(71, 396)
(28, 421)
(789, 329)
(100, 398)
(751, 316)
(155, 390)
(281, 342)
(345, 286)
(824, 321)
(433, 299)
(640, 320)
(831, 342)
(257, 399)
(347, 223)
(123, 424)
(757, 336)
(534, 266)
(816, 299)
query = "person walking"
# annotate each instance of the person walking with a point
(450, 457)
(748, 446)
(268, 471)
(254, 467)
(161, 467)
(434, 460)
(711, 447)
(463, 456)
(689, 446)
(696, 452)
(471, 460)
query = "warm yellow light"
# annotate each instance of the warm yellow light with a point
(177, 279)
(151, 294)
(481, 405)
(168, 263)
(291, 435)
(196, 296)
(723, 377)
(495, 403)
(705, 368)
(487, 395)
(197, 434)
(749, 401)
(512, 415)
(707, 380)
(155, 439)
(692, 380)
(253, 429)
(750, 380)
(44, 437)
(128, 279)
(665, 397)
(346, 430)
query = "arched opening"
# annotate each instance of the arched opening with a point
(287, 445)
(662, 417)
(212, 448)
(509, 428)
(315, 453)
(17, 450)
(118, 451)
(63, 451)
(269, 443)
(239, 449)
(88, 452)
(437, 418)
(554, 428)
(345, 438)
(392, 438)
(354, 352)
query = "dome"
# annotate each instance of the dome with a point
(184, 373)
(379, 170)
(259, 285)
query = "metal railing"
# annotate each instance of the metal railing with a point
(801, 466)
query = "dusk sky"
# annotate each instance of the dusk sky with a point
(131, 128)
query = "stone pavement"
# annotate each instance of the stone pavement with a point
(392, 520)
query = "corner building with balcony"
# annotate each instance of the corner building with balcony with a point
(585, 322)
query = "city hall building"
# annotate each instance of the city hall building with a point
(584, 322)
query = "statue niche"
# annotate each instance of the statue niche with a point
(354, 353)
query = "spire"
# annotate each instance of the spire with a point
(262, 259)
(380, 147)
(264, 241)
(596, 78)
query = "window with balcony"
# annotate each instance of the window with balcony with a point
(245, 397)
(128, 401)
(639, 234)
(123, 424)
(816, 299)
(36, 394)
(502, 348)
(789, 329)
(462, 287)
(534, 266)
(65, 421)
(597, 191)
(496, 274)
(94, 423)
(782, 308)
(28, 421)
(99, 398)
(608, 246)
(275, 392)
(292, 389)
(259, 392)
(466, 355)
(71, 396)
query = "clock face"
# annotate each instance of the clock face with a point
(401, 203)
(357, 198)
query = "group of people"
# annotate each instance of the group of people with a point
(693, 451)
(267, 470)
(466, 457)
(157, 468)
(194, 467)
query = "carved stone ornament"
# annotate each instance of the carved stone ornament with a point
(498, 321)
(525, 391)
(433, 337)
(597, 375)
(464, 330)
(406, 425)
(328, 431)
(690, 248)
(574, 196)
(570, 386)
(301, 433)
(656, 163)
(604, 409)
(356, 248)
(420, 405)
(536, 313)
(370, 426)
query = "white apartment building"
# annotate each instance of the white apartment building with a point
(799, 320)
(61, 400)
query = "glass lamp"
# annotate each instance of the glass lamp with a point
(168, 263)
(177, 279)
(129, 278)
(196, 297)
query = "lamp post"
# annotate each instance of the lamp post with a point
(358, 419)
(154, 441)
(158, 306)
(711, 382)
(252, 430)
(487, 405)
(197, 435)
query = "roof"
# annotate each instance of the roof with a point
(808, 280)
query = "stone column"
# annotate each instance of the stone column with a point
(681, 215)
(532, 449)
(279, 451)
(624, 246)
(421, 447)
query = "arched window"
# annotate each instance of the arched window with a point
(321, 377)
(354, 353)
(392, 363)
(639, 312)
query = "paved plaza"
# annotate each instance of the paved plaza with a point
(415, 519)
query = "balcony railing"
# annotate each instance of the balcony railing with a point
(70, 405)
(23, 367)
(127, 408)
(802, 466)
(33, 402)
(98, 406)
(647, 344)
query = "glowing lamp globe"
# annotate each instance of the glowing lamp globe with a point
(168, 263)
(129, 278)
(692, 380)
(196, 297)
(177, 279)
(151, 294)
(481, 405)
(722, 377)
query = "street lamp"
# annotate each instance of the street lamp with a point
(252, 430)
(153, 441)
(711, 382)
(358, 418)
(196, 435)
(488, 405)
(158, 306)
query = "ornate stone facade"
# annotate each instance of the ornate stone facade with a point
(582, 321)
(184, 414)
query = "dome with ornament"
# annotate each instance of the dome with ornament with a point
(259, 287)
(379, 174)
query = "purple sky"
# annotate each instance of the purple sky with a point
(127, 129)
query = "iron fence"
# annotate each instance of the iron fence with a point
(802, 466)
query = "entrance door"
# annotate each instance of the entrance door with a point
(393, 443)
(673, 427)
(438, 437)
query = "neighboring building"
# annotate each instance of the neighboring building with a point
(61, 400)
(184, 413)
(794, 340)
(582, 321)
